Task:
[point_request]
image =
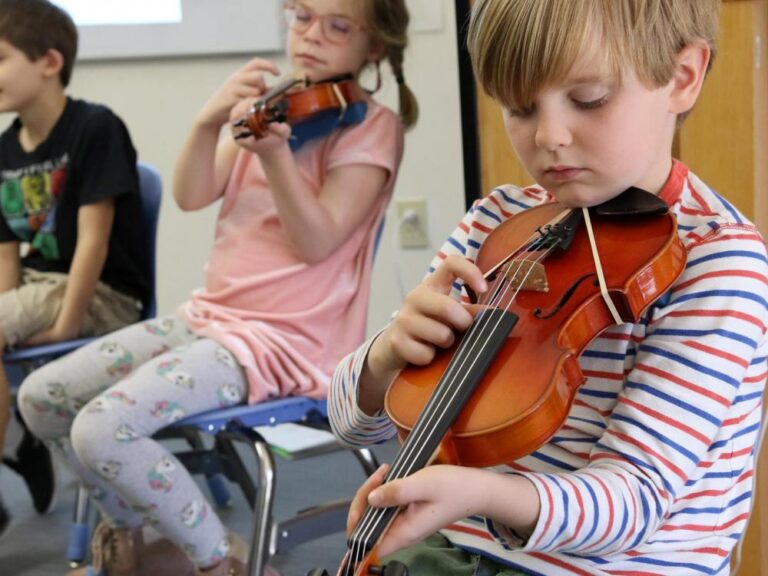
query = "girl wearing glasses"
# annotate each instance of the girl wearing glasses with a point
(285, 295)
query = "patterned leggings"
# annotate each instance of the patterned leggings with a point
(99, 407)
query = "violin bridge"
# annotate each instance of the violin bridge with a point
(527, 275)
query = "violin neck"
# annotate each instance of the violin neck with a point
(473, 357)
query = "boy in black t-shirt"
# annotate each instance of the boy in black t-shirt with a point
(70, 210)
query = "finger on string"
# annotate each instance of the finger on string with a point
(416, 488)
(414, 352)
(359, 502)
(445, 310)
(433, 331)
(456, 268)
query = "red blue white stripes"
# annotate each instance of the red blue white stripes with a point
(652, 472)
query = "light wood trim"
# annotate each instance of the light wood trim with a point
(498, 161)
(717, 139)
(754, 560)
(760, 21)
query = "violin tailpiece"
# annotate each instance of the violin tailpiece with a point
(527, 275)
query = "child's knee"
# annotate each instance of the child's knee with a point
(88, 440)
(96, 436)
(44, 404)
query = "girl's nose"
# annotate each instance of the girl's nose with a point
(552, 131)
(315, 30)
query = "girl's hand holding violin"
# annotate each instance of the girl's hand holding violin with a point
(429, 318)
(246, 84)
(438, 495)
(277, 132)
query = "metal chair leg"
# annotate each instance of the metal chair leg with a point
(79, 531)
(262, 529)
(367, 460)
(265, 494)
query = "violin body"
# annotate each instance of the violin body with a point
(527, 392)
(295, 101)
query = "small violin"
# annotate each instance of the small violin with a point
(557, 278)
(295, 100)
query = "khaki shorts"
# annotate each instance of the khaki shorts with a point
(35, 304)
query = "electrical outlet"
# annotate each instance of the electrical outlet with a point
(412, 222)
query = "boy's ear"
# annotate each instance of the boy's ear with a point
(690, 69)
(52, 62)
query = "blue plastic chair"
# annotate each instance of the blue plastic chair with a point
(238, 424)
(20, 362)
(151, 188)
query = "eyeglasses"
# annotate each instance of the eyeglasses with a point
(337, 29)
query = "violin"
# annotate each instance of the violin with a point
(296, 100)
(557, 278)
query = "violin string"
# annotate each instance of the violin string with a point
(376, 515)
(369, 523)
(373, 516)
(531, 239)
(495, 298)
(472, 356)
(374, 519)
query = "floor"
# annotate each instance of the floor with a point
(36, 544)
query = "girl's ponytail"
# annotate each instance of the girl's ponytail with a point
(409, 107)
(387, 22)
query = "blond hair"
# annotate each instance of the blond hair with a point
(519, 46)
(387, 23)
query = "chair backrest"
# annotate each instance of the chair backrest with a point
(20, 361)
(379, 234)
(150, 188)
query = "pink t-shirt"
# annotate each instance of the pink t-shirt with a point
(289, 323)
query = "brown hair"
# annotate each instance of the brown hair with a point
(37, 26)
(387, 22)
(519, 46)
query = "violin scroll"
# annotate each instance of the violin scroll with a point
(271, 107)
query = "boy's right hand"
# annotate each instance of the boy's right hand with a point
(247, 83)
(428, 319)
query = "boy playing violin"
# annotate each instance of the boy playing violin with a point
(652, 471)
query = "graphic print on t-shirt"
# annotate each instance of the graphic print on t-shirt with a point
(28, 201)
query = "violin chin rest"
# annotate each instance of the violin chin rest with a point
(633, 202)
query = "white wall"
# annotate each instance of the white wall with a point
(158, 98)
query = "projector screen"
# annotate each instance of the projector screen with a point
(155, 28)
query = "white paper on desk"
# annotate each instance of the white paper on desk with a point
(294, 437)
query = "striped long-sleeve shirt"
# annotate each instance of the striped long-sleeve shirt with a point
(653, 470)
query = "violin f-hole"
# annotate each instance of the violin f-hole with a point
(541, 315)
